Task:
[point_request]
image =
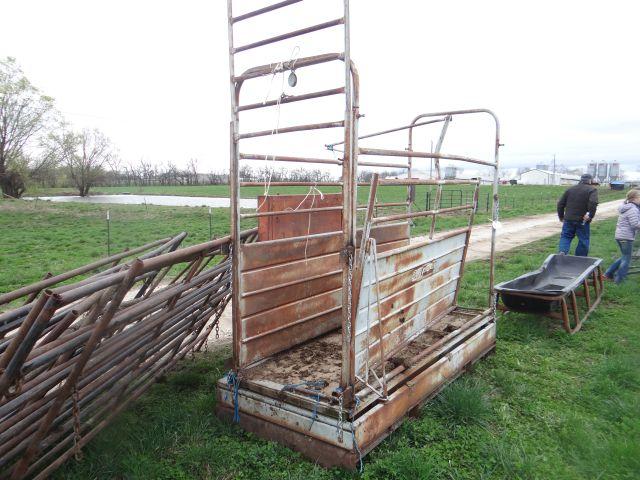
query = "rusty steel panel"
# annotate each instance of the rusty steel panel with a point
(407, 314)
(375, 423)
(258, 302)
(402, 300)
(401, 280)
(298, 224)
(290, 335)
(295, 294)
(274, 252)
(413, 280)
(294, 312)
(413, 255)
(289, 273)
(405, 332)
(76, 356)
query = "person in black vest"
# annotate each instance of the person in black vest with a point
(576, 209)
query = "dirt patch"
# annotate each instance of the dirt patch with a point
(317, 360)
(423, 341)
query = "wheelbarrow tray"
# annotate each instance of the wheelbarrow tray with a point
(548, 288)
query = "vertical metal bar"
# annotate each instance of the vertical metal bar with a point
(348, 221)
(443, 132)
(234, 181)
(472, 214)
(495, 217)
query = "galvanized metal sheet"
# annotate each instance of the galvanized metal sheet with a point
(404, 333)
(373, 424)
(289, 416)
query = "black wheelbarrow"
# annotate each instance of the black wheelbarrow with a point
(553, 287)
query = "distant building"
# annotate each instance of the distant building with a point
(450, 173)
(537, 176)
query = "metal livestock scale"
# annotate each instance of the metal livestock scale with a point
(342, 323)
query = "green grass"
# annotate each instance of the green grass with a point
(546, 405)
(40, 236)
(520, 199)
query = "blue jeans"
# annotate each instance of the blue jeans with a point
(619, 269)
(571, 229)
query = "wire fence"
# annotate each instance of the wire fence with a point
(457, 197)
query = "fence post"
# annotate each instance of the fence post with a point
(488, 200)
(108, 234)
(210, 225)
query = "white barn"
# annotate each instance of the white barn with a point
(536, 176)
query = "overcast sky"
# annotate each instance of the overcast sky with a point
(563, 76)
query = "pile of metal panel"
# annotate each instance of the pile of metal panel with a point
(73, 355)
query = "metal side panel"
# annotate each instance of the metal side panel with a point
(416, 285)
(376, 423)
(286, 415)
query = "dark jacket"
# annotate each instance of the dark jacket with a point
(578, 200)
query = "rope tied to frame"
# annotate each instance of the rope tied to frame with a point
(278, 68)
(316, 386)
(234, 382)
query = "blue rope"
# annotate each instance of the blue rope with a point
(234, 381)
(313, 384)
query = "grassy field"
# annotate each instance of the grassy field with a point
(34, 241)
(545, 406)
(519, 197)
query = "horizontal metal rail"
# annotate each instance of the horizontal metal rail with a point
(384, 132)
(292, 98)
(264, 10)
(292, 184)
(388, 165)
(383, 205)
(428, 213)
(285, 36)
(269, 69)
(405, 153)
(296, 128)
(290, 212)
(423, 181)
(280, 158)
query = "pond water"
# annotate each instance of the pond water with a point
(164, 200)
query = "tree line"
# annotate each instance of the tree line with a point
(38, 147)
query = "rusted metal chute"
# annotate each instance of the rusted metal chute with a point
(342, 323)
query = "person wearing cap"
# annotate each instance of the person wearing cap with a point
(576, 209)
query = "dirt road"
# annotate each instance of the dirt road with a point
(513, 233)
(522, 230)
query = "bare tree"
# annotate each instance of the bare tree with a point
(24, 112)
(84, 155)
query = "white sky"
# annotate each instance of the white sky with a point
(563, 76)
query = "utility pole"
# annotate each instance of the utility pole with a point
(554, 169)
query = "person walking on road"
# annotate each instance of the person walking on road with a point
(626, 229)
(576, 209)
